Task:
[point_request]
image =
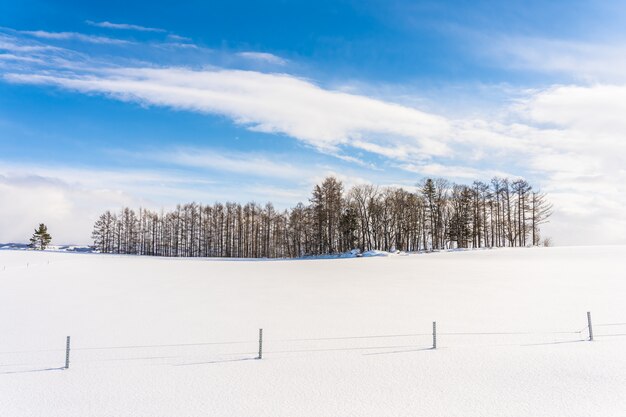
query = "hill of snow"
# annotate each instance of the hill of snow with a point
(342, 337)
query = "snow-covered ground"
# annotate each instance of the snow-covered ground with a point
(50, 248)
(342, 337)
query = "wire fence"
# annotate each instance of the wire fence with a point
(181, 354)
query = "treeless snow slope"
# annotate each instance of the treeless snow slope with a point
(345, 337)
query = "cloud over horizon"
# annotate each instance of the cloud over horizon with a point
(123, 26)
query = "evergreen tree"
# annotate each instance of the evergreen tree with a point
(41, 238)
(349, 226)
(429, 192)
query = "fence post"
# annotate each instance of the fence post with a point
(589, 326)
(434, 335)
(260, 344)
(67, 353)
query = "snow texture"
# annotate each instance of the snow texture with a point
(342, 337)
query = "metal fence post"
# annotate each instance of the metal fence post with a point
(67, 353)
(434, 335)
(260, 344)
(589, 326)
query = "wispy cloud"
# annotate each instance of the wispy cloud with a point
(123, 26)
(257, 165)
(263, 57)
(457, 173)
(178, 45)
(273, 103)
(9, 43)
(12, 57)
(75, 36)
(178, 38)
(579, 60)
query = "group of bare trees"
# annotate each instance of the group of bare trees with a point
(438, 215)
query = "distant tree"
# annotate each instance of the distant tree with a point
(460, 225)
(102, 234)
(439, 214)
(435, 194)
(327, 204)
(522, 189)
(540, 212)
(362, 197)
(41, 238)
(429, 192)
(348, 226)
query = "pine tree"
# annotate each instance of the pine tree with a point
(429, 192)
(41, 238)
(348, 226)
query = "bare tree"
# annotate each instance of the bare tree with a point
(440, 215)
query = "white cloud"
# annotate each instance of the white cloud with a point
(178, 38)
(462, 173)
(69, 199)
(179, 45)
(583, 60)
(272, 103)
(593, 109)
(581, 159)
(256, 165)
(263, 57)
(9, 43)
(75, 36)
(123, 26)
(68, 210)
(12, 57)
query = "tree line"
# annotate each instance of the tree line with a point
(439, 215)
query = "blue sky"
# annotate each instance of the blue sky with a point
(155, 103)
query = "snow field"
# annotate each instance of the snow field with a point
(162, 337)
